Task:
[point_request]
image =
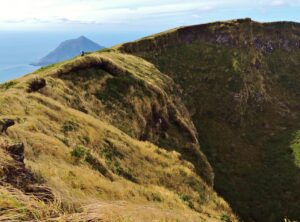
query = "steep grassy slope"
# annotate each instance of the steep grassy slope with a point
(90, 137)
(241, 84)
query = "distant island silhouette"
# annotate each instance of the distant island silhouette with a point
(67, 50)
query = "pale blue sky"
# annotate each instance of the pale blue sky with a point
(29, 29)
(144, 15)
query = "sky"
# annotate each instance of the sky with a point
(132, 15)
(30, 29)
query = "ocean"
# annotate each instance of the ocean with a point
(19, 49)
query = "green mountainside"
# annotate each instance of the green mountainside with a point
(241, 85)
(160, 129)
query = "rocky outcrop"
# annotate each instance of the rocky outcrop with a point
(284, 35)
(5, 124)
(17, 151)
(36, 84)
(16, 174)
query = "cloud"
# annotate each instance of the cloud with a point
(34, 13)
(282, 3)
(96, 11)
(37, 13)
(70, 21)
(278, 3)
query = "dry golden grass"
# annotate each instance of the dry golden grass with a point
(16, 206)
(122, 211)
(148, 183)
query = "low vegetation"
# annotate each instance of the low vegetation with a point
(148, 130)
(95, 144)
(241, 82)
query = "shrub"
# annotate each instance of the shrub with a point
(69, 126)
(7, 85)
(79, 153)
(225, 217)
(124, 172)
(97, 165)
(187, 200)
(110, 152)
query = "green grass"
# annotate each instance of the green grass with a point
(246, 116)
(117, 88)
(69, 126)
(80, 153)
(187, 200)
(8, 85)
(295, 146)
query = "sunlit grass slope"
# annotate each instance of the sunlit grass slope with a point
(112, 140)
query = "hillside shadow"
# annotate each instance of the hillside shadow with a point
(261, 192)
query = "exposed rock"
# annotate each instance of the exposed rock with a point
(266, 46)
(41, 192)
(17, 151)
(223, 39)
(36, 84)
(5, 124)
(17, 175)
(158, 119)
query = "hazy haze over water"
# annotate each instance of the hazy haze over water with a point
(19, 49)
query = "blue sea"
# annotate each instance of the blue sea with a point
(19, 49)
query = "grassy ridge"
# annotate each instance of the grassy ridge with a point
(82, 139)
